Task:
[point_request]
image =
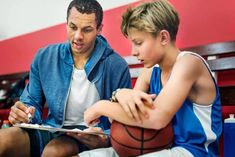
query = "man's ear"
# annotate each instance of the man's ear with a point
(100, 29)
(164, 37)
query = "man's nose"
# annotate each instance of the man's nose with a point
(78, 34)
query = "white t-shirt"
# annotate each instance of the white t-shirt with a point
(82, 94)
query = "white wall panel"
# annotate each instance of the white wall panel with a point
(23, 16)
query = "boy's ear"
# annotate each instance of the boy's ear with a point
(164, 37)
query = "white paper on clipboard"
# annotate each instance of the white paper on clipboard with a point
(54, 129)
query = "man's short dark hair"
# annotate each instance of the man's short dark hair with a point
(87, 7)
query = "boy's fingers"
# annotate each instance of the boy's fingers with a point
(148, 100)
(142, 109)
(126, 108)
(94, 123)
(93, 129)
(134, 111)
(153, 96)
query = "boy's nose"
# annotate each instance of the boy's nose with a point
(134, 52)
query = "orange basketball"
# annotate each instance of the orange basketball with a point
(133, 141)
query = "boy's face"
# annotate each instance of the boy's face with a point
(82, 31)
(145, 47)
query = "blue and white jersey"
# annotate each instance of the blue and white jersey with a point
(197, 128)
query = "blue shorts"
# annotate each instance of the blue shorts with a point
(40, 138)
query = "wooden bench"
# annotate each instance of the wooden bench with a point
(221, 59)
(11, 87)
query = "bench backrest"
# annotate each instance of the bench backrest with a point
(11, 86)
(7, 80)
(220, 56)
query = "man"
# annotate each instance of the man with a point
(70, 77)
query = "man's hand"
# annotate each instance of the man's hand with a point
(134, 102)
(20, 113)
(91, 141)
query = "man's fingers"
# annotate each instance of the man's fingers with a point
(18, 113)
(31, 109)
(12, 119)
(12, 114)
(20, 106)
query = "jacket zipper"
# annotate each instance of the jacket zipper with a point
(67, 97)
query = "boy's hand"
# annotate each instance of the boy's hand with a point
(134, 102)
(20, 113)
(91, 115)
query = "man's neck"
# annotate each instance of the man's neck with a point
(80, 61)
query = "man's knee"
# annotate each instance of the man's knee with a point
(51, 151)
(56, 151)
(8, 136)
(13, 140)
(60, 148)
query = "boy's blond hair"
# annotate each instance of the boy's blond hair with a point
(152, 17)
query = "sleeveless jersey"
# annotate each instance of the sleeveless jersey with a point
(197, 128)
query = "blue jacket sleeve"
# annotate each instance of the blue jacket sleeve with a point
(33, 93)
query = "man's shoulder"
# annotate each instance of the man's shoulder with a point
(117, 59)
(109, 54)
(54, 47)
(52, 50)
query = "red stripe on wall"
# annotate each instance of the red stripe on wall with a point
(17, 53)
(202, 22)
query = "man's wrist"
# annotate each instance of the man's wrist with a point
(114, 98)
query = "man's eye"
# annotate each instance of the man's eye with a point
(87, 30)
(72, 27)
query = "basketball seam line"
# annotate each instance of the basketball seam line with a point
(158, 148)
(157, 132)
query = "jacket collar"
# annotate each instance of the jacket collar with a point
(99, 53)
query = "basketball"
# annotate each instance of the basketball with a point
(133, 141)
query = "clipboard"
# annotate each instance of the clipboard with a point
(55, 129)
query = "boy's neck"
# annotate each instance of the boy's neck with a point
(169, 59)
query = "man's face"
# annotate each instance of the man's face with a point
(82, 31)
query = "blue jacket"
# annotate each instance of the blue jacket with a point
(51, 73)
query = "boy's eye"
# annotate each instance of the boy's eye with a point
(137, 43)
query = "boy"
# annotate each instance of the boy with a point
(70, 77)
(187, 94)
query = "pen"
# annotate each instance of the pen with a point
(30, 117)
